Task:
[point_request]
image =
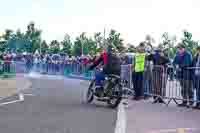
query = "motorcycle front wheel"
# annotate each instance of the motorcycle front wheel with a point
(116, 97)
(90, 94)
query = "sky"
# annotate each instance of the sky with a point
(132, 18)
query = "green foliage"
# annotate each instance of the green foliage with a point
(8, 34)
(91, 47)
(84, 45)
(34, 36)
(189, 43)
(2, 46)
(99, 41)
(115, 40)
(54, 47)
(44, 47)
(31, 40)
(168, 43)
(67, 45)
(77, 47)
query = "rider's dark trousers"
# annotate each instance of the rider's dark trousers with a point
(100, 77)
(138, 83)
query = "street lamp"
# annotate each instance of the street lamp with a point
(40, 48)
(82, 47)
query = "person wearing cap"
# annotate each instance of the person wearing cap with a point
(182, 61)
(196, 64)
(159, 75)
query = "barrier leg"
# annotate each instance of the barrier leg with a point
(175, 101)
(169, 101)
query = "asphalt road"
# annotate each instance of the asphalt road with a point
(57, 107)
(158, 118)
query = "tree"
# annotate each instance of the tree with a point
(84, 45)
(189, 43)
(77, 47)
(18, 41)
(19, 34)
(67, 45)
(168, 43)
(91, 47)
(5, 38)
(54, 47)
(44, 47)
(99, 41)
(34, 36)
(8, 34)
(115, 40)
(2, 44)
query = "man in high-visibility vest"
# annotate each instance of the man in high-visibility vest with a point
(138, 71)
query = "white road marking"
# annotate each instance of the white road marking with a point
(21, 99)
(175, 130)
(121, 120)
(28, 94)
(85, 83)
(6, 103)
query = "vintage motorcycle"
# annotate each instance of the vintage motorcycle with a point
(112, 92)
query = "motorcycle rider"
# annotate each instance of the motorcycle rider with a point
(111, 65)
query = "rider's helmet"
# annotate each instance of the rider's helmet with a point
(111, 49)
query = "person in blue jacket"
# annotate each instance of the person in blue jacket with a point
(182, 61)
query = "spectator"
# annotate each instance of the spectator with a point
(48, 63)
(126, 71)
(159, 74)
(28, 62)
(196, 64)
(182, 61)
(7, 62)
(1, 63)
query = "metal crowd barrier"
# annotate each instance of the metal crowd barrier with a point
(12, 82)
(166, 83)
(174, 84)
(7, 69)
(185, 85)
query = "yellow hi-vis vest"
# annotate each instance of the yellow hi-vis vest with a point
(139, 62)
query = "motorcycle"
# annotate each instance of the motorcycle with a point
(111, 93)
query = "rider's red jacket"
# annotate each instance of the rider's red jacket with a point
(102, 59)
(110, 62)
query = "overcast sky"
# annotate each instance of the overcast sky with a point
(132, 18)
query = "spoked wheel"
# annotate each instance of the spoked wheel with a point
(116, 97)
(90, 93)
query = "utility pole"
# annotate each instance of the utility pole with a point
(82, 47)
(104, 38)
(40, 49)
